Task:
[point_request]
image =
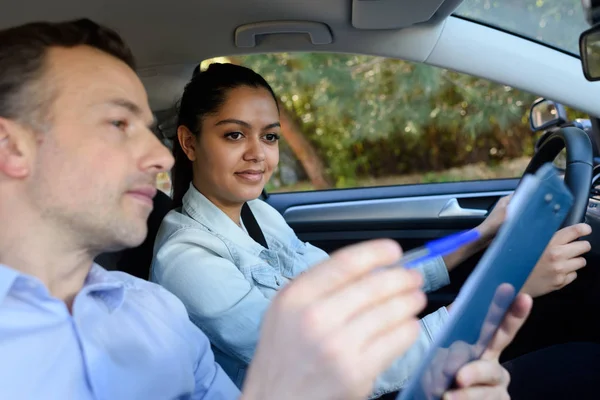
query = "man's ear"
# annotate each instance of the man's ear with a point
(187, 140)
(14, 148)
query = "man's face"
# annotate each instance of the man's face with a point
(95, 169)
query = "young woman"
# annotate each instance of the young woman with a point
(225, 153)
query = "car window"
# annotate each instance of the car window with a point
(163, 182)
(355, 121)
(553, 22)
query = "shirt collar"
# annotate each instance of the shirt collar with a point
(201, 209)
(8, 276)
(99, 283)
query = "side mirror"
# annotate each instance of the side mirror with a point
(545, 114)
(589, 48)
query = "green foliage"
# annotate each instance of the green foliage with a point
(556, 22)
(376, 116)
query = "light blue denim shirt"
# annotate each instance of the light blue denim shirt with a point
(125, 339)
(227, 280)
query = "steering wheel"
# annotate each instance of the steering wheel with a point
(578, 174)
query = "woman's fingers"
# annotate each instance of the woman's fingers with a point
(571, 233)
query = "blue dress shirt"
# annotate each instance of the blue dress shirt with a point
(125, 339)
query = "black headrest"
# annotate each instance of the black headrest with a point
(137, 261)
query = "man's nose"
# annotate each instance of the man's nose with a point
(157, 157)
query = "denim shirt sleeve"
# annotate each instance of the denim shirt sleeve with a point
(435, 274)
(397, 376)
(218, 299)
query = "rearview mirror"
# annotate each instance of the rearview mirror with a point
(589, 48)
(545, 114)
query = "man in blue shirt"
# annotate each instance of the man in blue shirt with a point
(78, 164)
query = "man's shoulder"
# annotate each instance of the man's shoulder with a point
(147, 294)
(148, 298)
(130, 281)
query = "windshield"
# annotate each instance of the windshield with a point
(556, 23)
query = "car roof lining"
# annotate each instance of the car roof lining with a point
(170, 39)
(456, 44)
(169, 33)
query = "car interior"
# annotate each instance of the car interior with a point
(170, 39)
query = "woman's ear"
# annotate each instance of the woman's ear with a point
(187, 141)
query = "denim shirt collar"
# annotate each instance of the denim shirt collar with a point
(203, 211)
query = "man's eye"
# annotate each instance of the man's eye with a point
(119, 124)
(234, 135)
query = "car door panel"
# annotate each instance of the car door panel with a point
(283, 201)
(415, 214)
(411, 215)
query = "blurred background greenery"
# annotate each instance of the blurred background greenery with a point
(354, 120)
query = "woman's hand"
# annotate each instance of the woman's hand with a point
(560, 261)
(489, 228)
(556, 268)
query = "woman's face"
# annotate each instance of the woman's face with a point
(237, 149)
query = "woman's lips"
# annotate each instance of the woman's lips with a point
(253, 176)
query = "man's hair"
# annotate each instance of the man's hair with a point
(23, 51)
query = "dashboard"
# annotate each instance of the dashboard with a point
(592, 216)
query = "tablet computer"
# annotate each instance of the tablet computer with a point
(538, 207)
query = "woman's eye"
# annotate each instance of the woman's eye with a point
(271, 137)
(234, 135)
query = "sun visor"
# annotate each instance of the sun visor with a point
(398, 14)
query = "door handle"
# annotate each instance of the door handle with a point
(452, 210)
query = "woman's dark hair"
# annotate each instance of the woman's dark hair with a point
(202, 96)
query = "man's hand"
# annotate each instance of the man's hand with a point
(331, 332)
(560, 261)
(486, 378)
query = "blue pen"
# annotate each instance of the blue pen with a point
(436, 248)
